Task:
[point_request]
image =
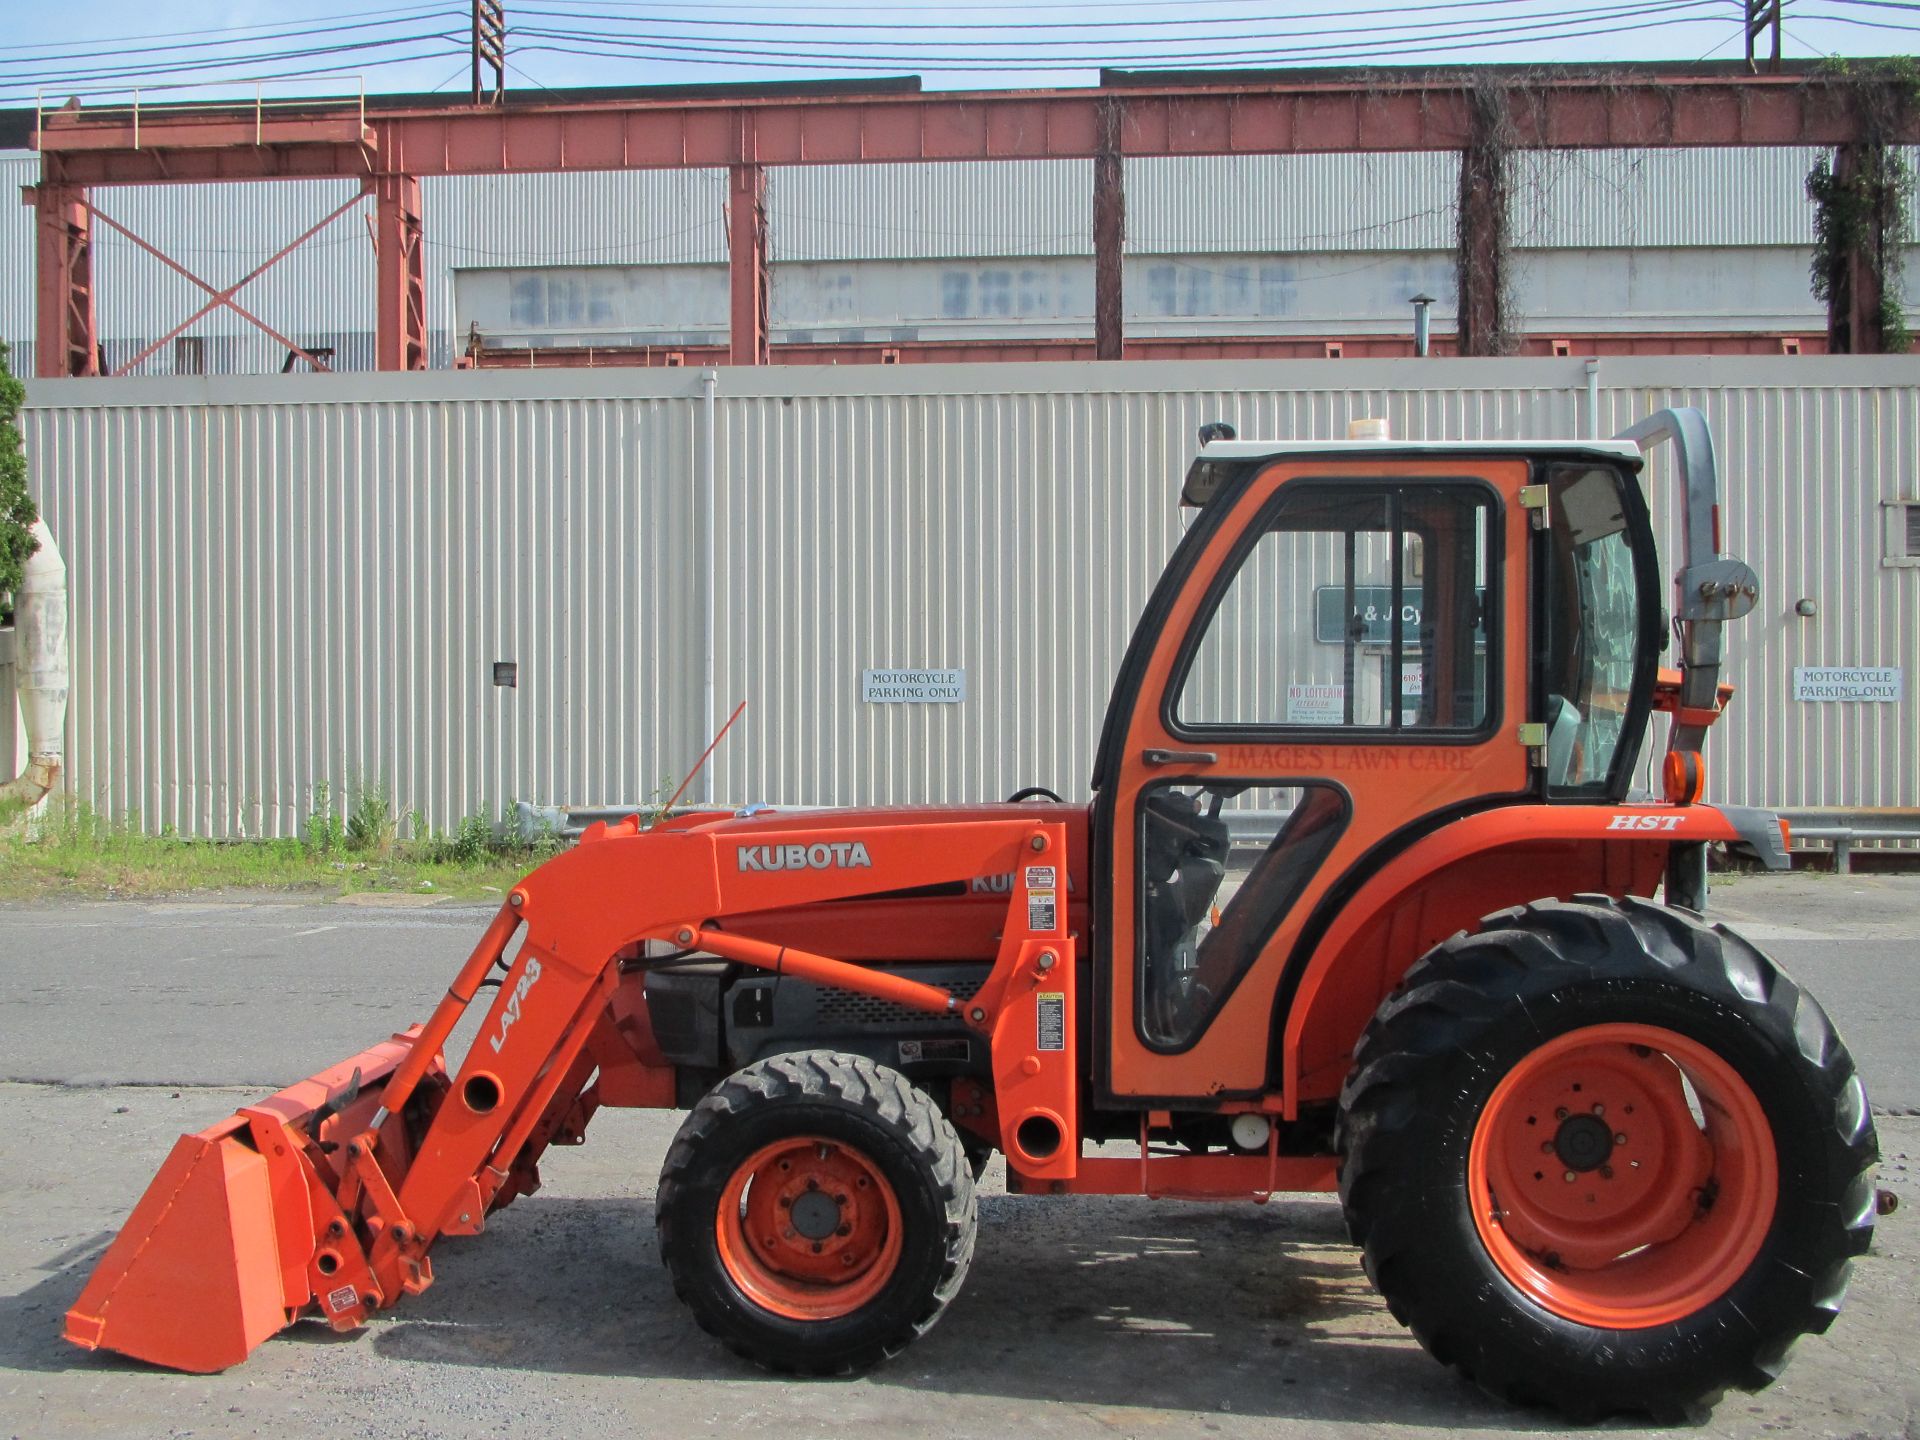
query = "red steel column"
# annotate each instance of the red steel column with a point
(747, 265)
(400, 341)
(66, 332)
(1109, 238)
(1480, 265)
(1854, 294)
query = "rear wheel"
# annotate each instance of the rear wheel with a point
(816, 1212)
(1605, 1158)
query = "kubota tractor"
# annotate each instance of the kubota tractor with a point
(1362, 900)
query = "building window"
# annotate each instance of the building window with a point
(190, 355)
(1902, 533)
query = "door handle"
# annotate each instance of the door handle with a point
(1179, 757)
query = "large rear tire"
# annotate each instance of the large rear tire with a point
(816, 1212)
(1604, 1158)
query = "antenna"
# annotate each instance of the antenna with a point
(703, 758)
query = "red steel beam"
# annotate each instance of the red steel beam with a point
(400, 340)
(747, 265)
(1574, 108)
(1109, 238)
(66, 332)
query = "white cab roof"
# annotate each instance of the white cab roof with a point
(1275, 449)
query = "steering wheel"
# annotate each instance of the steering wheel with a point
(1034, 792)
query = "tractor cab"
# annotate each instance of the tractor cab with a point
(1354, 645)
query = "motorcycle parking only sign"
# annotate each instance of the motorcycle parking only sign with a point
(913, 687)
(1848, 682)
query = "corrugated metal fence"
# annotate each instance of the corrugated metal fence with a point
(283, 582)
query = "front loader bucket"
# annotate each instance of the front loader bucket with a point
(193, 1279)
(223, 1248)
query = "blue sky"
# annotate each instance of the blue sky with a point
(300, 46)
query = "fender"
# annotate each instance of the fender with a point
(1448, 880)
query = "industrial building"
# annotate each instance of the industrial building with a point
(1617, 250)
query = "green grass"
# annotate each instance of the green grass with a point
(73, 852)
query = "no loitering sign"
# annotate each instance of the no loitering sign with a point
(1848, 682)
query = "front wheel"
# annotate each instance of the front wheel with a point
(1605, 1158)
(816, 1212)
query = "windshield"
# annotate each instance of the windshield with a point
(1593, 627)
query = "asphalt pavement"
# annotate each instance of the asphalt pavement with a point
(123, 1024)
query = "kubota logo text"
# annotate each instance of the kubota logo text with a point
(515, 1002)
(827, 855)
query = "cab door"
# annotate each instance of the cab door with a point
(1336, 656)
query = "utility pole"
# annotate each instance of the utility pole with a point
(1763, 15)
(490, 49)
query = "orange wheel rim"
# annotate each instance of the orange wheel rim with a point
(809, 1228)
(1623, 1176)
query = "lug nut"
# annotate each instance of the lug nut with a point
(844, 1230)
(1561, 1113)
(1620, 1139)
(1571, 1177)
(1606, 1172)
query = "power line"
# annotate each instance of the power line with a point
(1643, 7)
(748, 57)
(226, 62)
(399, 12)
(543, 9)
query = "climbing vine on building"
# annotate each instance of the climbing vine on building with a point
(1860, 208)
(1862, 197)
(17, 512)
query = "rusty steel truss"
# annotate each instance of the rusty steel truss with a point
(389, 148)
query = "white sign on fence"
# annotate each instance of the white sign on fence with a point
(1316, 704)
(913, 687)
(1847, 682)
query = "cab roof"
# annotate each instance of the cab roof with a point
(1220, 458)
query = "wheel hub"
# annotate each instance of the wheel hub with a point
(1606, 1193)
(1583, 1142)
(815, 1215)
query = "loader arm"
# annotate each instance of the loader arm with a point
(323, 1200)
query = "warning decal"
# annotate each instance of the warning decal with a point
(1040, 877)
(345, 1298)
(1050, 1021)
(1042, 914)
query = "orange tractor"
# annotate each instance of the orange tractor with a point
(1361, 902)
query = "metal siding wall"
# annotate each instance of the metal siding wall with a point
(16, 261)
(930, 212)
(284, 581)
(1255, 203)
(1804, 471)
(271, 597)
(930, 531)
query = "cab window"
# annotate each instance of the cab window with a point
(1359, 607)
(1593, 620)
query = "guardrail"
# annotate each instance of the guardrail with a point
(1844, 828)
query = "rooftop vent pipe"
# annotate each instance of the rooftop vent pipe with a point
(40, 648)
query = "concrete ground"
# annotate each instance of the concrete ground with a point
(122, 1025)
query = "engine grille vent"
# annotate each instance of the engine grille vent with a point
(844, 1007)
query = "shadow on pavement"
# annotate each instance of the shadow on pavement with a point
(1113, 1304)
